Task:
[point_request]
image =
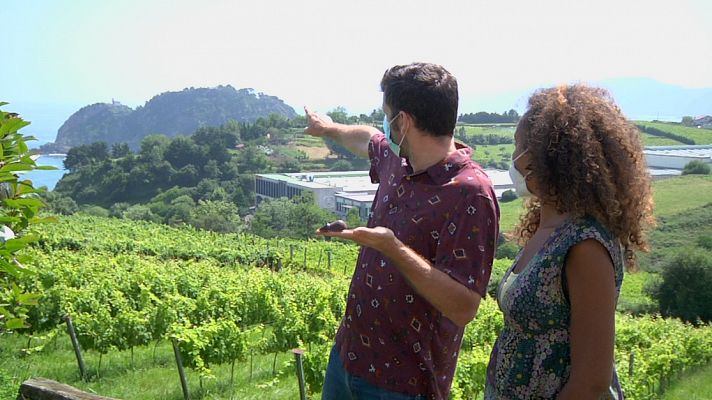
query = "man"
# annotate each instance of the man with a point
(427, 249)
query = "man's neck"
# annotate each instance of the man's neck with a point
(429, 150)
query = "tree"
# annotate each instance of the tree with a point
(153, 147)
(696, 167)
(186, 176)
(211, 169)
(339, 115)
(210, 189)
(377, 115)
(687, 120)
(289, 165)
(253, 161)
(353, 219)
(307, 216)
(180, 210)
(86, 154)
(271, 218)
(119, 150)
(218, 216)
(297, 218)
(183, 151)
(342, 165)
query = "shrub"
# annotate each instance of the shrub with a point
(499, 268)
(696, 167)
(684, 291)
(117, 210)
(60, 204)
(95, 211)
(508, 249)
(342, 165)
(705, 241)
(141, 212)
(508, 195)
(218, 216)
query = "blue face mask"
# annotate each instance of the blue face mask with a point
(387, 130)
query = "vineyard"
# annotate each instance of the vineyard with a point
(224, 299)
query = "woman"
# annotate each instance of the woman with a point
(581, 165)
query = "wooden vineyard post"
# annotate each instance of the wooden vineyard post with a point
(631, 364)
(298, 356)
(75, 345)
(181, 372)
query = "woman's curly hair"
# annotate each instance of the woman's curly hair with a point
(588, 160)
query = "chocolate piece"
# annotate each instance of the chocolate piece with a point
(336, 226)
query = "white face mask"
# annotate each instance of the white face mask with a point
(519, 180)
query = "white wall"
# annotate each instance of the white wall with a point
(674, 162)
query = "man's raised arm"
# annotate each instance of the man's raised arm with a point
(354, 137)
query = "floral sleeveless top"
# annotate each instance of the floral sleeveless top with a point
(531, 358)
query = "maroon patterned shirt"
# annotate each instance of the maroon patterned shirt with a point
(390, 335)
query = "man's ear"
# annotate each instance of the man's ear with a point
(407, 122)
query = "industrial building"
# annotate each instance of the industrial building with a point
(339, 192)
(676, 157)
(335, 191)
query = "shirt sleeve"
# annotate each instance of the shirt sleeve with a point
(381, 157)
(466, 244)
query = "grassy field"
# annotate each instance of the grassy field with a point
(700, 136)
(675, 195)
(497, 130)
(159, 374)
(509, 214)
(694, 385)
(484, 154)
(672, 196)
(650, 140)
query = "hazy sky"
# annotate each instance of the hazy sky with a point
(328, 53)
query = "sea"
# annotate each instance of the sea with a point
(47, 178)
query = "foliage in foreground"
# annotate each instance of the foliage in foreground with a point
(19, 208)
(130, 284)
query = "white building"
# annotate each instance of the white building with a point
(340, 192)
(703, 122)
(676, 157)
(324, 185)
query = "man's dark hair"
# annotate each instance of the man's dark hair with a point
(426, 91)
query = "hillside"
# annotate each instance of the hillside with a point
(170, 113)
(673, 130)
(683, 208)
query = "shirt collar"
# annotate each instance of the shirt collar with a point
(444, 170)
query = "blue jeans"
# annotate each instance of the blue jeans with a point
(340, 385)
